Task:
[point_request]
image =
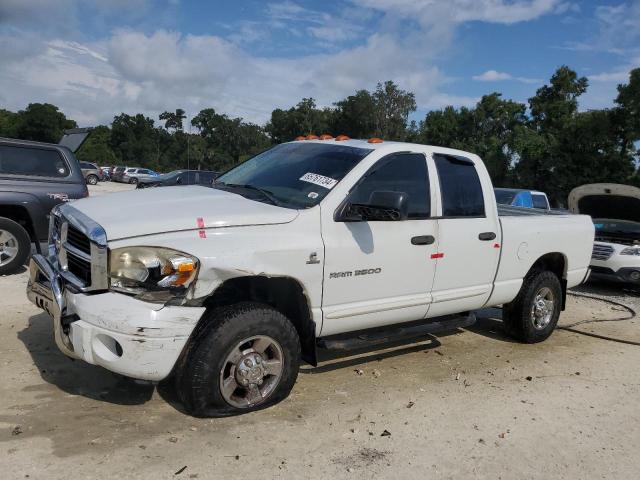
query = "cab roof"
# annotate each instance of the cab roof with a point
(391, 146)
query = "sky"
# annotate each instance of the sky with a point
(98, 58)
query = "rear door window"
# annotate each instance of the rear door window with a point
(460, 187)
(39, 162)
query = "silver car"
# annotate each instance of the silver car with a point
(133, 175)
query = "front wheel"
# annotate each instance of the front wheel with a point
(534, 313)
(133, 181)
(246, 359)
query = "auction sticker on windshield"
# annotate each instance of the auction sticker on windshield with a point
(320, 180)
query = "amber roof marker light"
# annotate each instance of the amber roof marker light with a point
(312, 137)
(300, 137)
(342, 138)
(326, 136)
(375, 140)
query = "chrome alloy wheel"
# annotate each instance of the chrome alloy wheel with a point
(251, 372)
(542, 308)
(8, 247)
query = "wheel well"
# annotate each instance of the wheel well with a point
(282, 293)
(19, 215)
(556, 263)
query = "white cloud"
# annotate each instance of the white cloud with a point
(458, 11)
(134, 71)
(492, 76)
(495, 76)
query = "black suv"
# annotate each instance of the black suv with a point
(34, 177)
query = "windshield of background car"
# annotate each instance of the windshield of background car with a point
(504, 197)
(295, 175)
(622, 227)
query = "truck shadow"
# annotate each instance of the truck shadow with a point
(489, 324)
(77, 377)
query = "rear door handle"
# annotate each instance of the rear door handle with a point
(486, 236)
(423, 240)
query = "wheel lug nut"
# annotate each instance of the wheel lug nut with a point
(247, 363)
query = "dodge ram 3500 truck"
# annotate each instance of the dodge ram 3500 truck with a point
(312, 244)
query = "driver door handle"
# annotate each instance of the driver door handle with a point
(423, 240)
(486, 236)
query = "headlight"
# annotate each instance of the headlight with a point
(153, 274)
(631, 251)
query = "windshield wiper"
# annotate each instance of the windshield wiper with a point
(265, 193)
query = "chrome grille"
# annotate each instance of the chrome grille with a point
(79, 247)
(601, 252)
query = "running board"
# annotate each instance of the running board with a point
(394, 333)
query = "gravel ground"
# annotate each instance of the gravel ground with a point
(468, 404)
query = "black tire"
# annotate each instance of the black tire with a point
(133, 181)
(23, 243)
(518, 317)
(92, 179)
(199, 376)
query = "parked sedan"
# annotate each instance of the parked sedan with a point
(180, 177)
(92, 174)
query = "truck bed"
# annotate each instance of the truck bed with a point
(510, 211)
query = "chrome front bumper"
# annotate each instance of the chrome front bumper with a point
(115, 331)
(46, 289)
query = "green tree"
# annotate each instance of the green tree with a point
(42, 122)
(228, 139)
(627, 113)
(173, 120)
(303, 119)
(392, 109)
(96, 148)
(355, 116)
(8, 123)
(135, 141)
(488, 130)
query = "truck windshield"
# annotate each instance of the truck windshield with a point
(292, 175)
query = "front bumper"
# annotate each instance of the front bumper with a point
(127, 336)
(624, 274)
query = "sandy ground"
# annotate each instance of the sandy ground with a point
(467, 404)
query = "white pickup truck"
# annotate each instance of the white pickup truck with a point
(312, 244)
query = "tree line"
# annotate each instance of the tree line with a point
(546, 144)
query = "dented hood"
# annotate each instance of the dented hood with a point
(606, 200)
(169, 209)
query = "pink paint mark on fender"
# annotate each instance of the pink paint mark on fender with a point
(200, 222)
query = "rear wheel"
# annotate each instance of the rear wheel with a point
(133, 181)
(534, 313)
(246, 359)
(92, 179)
(15, 246)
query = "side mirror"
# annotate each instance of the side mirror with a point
(383, 206)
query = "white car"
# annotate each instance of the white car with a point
(318, 243)
(615, 210)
